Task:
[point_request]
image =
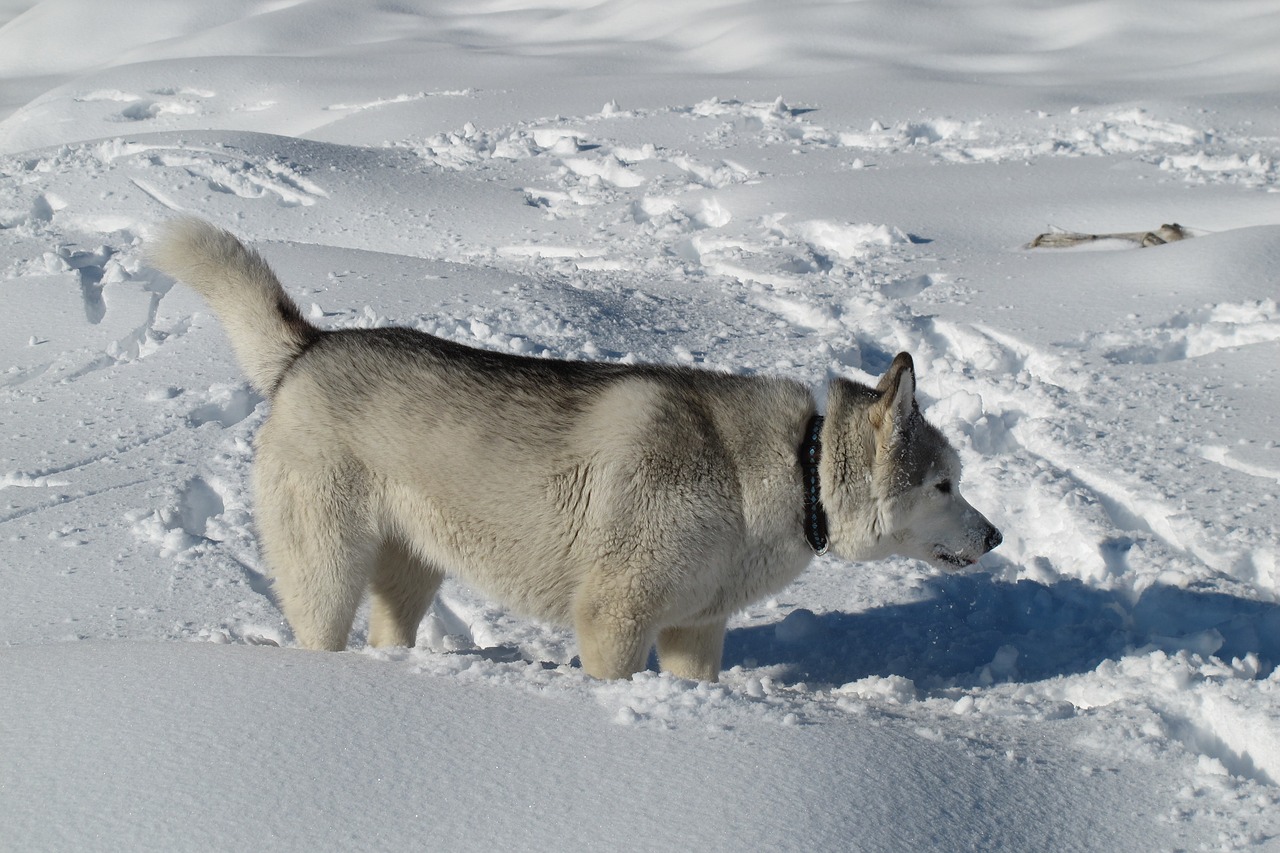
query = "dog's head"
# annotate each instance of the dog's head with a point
(891, 481)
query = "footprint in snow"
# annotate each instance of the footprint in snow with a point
(228, 408)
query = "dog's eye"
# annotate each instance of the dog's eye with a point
(944, 487)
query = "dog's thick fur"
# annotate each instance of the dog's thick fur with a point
(639, 504)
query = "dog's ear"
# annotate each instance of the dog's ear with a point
(897, 390)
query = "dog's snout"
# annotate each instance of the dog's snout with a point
(993, 539)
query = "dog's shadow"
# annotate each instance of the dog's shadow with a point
(968, 630)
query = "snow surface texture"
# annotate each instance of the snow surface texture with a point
(800, 189)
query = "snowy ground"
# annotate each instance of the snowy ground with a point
(753, 187)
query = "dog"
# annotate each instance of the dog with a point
(641, 504)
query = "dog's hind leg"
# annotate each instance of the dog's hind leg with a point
(613, 642)
(612, 647)
(319, 583)
(692, 652)
(317, 541)
(403, 587)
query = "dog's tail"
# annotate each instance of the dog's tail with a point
(266, 329)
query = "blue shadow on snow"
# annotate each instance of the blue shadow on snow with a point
(965, 628)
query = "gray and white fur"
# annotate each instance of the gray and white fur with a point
(639, 504)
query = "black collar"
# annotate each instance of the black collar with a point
(815, 517)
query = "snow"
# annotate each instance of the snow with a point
(801, 190)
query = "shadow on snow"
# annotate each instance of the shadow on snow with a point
(974, 629)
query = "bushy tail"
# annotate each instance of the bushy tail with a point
(266, 329)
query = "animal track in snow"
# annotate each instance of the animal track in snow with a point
(1132, 507)
(1194, 334)
(1192, 154)
(89, 267)
(197, 503)
(184, 523)
(997, 353)
(246, 177)
(166, 101)
(228, 407)
(662, 201)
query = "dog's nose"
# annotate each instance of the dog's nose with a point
(993, 539)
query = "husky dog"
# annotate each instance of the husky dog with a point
(639, 504)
